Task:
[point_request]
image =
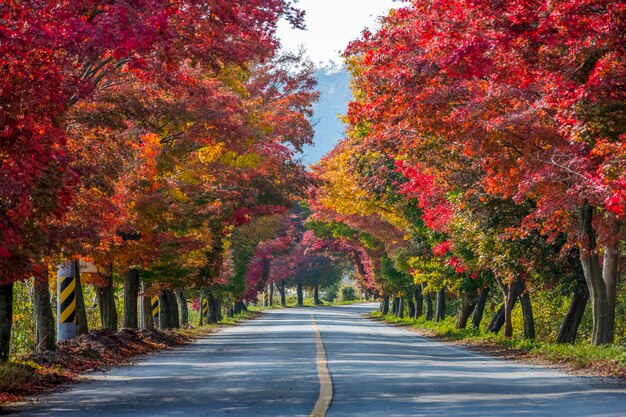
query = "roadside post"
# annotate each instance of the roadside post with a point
(154, 302)
(66, 304)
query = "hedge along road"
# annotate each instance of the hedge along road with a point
(272, 366)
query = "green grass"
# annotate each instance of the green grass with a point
(276, 306)
(237, 318)
(193, 331)
(607, 360)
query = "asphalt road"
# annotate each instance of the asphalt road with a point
(269, 367)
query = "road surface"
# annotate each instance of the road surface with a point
(271, 367)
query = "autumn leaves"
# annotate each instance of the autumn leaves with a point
(492, 128)
(135, 134)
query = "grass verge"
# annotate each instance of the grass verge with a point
(580, 358)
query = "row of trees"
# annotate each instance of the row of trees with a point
(153, 138)
(485, 150)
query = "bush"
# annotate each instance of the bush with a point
(23, 334)
(330, 293)
(348, 294)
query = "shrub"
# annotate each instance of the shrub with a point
(331, 293)
(348, 294)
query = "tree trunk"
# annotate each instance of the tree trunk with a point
(580, 296)
(106, 303)
(147, 319)
(165, 316)
(510, 298)
(527, 313)
(173, 308)
(82, 326)
(240, 307)
(384, 308)
(300, 295)
(182, 308)
(440, 312)
(593, 276)
(281, 290)
(201, 308)
(214, 312)
(610, 274)
(480, 307)
(131, 291)
(218, 309)
(411, 308)
(419, 302)
(316, 295)
(467, 308)
(497, 321)
(400, 311)
(147, 322)
(428, 300)
(43, 315)
(271, 293)
(6, 320)
(569, 328)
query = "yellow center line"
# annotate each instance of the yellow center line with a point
(326, 382)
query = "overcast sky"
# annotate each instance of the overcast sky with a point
(331, 25)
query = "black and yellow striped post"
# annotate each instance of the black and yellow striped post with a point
(154, 302)
(66, 301)
(266, 298)
(205, 307)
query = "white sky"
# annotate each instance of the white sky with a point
(331, 25)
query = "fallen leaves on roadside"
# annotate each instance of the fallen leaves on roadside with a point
(38, 372)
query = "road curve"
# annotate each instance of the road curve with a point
(269, 367)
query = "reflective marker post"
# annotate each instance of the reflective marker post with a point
(205, 307)
(66, 301)
(155, 306)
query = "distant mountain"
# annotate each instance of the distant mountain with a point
(333, 84)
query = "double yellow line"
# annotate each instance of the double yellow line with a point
(326, 382)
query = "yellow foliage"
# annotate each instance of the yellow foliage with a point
(235, 160)
(235, 77)
(211, 153)
(179, 195)
(343, 193)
